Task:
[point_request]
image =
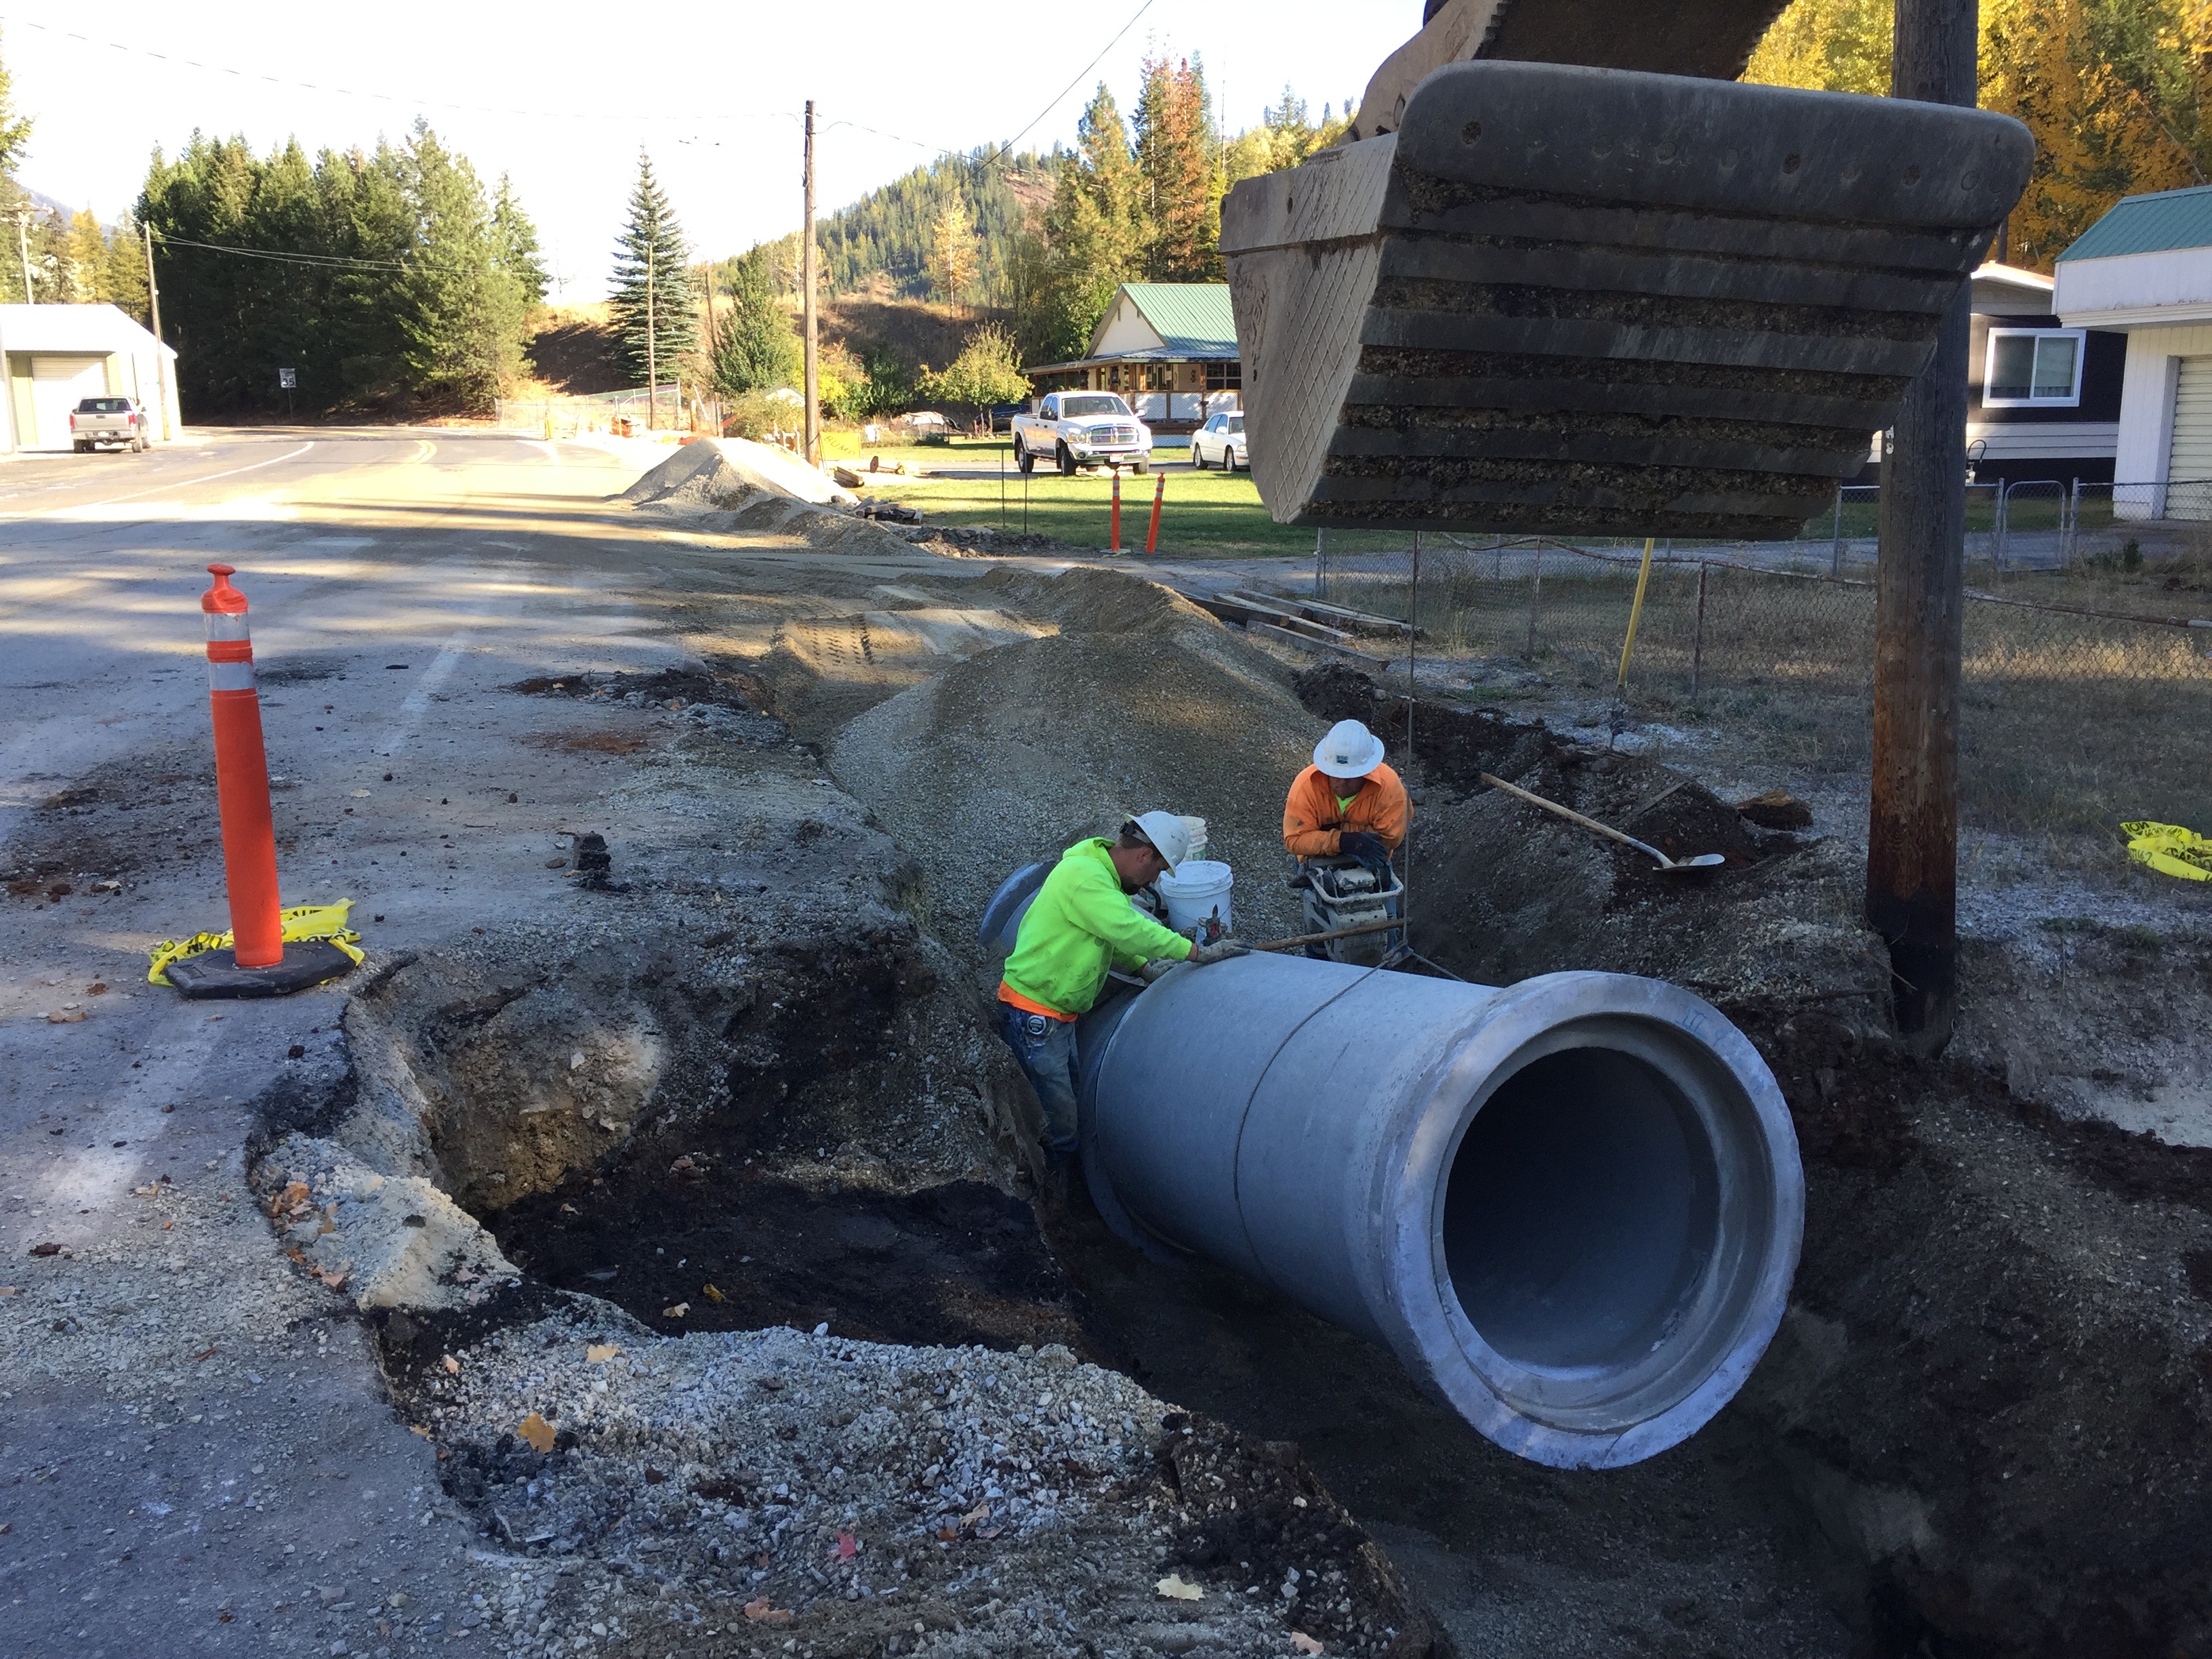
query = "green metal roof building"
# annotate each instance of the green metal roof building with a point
(1170, 348)
(2145, 270)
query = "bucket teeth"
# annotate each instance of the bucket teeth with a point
(1569, 301)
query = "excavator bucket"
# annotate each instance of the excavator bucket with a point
(1560, 299)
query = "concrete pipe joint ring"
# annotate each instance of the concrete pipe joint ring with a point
(1572, 1208)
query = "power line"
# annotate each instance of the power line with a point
(1071, 85)
(336, 260)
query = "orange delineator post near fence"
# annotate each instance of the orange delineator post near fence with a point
(1159, 495)
(241, 777)
(1118, 510)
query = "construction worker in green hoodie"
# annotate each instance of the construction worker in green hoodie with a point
(1079, 927)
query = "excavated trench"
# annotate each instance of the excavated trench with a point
(1981, 1433)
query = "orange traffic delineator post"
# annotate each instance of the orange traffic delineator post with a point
(1118, 510)
(1160, 496)
(241, 776)
(256, 962)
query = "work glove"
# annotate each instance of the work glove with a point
(1207, 955)
(1367, 848)
(1157, 968)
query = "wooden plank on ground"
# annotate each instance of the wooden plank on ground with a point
(1308, 642)
(1243, 608)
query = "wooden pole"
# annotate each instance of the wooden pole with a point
(1913, 834)
(652, 343)
(813, 438)
(161, 357)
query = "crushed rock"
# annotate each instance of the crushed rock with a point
(743, 1490)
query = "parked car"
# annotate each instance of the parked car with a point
(98, 421)
(1082, 428)
(1220, 442)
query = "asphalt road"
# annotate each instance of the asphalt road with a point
(195, 1454)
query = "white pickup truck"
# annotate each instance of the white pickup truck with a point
(1082, 428)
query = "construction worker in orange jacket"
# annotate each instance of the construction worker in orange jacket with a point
(1348, 804)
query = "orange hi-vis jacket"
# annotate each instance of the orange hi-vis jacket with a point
(1313, 823)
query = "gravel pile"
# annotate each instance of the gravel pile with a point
(777, 1492)
(1141, 701)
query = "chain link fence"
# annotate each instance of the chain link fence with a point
(2088, 695)
(668, 408)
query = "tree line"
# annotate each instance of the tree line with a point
(2115, 92)
(389, 278)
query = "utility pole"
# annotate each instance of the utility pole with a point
(161, 357)
(1913, 834)
(652, 339)
(813, 433)
(23, 253)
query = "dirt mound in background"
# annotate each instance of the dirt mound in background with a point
(1141, 701)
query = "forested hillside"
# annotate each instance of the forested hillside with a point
(900, 230)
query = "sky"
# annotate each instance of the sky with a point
(562, 96)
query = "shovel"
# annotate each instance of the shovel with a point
(1703, 861)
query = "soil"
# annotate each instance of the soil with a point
(954, 1264)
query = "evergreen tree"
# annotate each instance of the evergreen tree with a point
(460, 308)
(651, 278)
(754, 348)
(400, 292)
(1181, 190)
(14, 130)
(516, 238)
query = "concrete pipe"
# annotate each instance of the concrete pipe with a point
(1571, 1208)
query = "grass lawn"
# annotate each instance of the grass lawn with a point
(1212, 513)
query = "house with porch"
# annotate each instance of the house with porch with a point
(1169, 347)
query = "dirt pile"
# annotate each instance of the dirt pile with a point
(1141, 699)
(751, 1493)
(1505, 890)
(731, 472)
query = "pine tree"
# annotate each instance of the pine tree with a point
(652, 280)
(1181, 186)
(516, 238)
(84, 263)
(14, 130)
(754, 348)
(460, 309)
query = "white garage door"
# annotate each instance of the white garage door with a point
(56, 385)
(2190, 459)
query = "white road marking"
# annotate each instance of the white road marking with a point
(183, 483)
(418, 701)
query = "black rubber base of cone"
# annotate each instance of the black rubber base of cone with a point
(216, 972)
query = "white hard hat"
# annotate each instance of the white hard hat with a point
(1350, 751)
(1169, 835)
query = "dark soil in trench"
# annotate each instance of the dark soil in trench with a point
(949, 1265)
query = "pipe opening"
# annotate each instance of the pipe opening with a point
(1582, 1209)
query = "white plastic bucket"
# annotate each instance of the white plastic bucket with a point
(1195, 892)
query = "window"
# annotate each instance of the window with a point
(1076, 409)
(1224, 377)
(2034, 367)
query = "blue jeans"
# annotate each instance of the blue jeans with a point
(1045, 1050)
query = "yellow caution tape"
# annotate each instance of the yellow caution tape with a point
(327, 923)
(2170, 849)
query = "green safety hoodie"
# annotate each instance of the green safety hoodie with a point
(1080, 926)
